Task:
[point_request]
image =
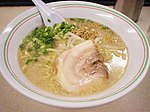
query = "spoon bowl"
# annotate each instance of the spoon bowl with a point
(49, 16)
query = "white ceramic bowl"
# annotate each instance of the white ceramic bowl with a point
(132, 35)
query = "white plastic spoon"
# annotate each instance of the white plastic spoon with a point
(49, 16)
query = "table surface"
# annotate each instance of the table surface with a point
(138, 100)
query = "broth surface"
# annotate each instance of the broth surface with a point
(42, 73)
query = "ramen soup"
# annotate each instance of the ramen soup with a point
(78, 57)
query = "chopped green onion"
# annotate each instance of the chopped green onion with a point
(41, 39)
(28, 61)
(48, 20)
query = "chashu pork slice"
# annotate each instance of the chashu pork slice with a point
(80, 66)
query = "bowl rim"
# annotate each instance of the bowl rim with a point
(91, 102)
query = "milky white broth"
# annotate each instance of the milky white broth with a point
(110, 45)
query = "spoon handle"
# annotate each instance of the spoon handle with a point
(49, 16)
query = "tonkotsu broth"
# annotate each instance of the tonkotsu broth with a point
(43, 72)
